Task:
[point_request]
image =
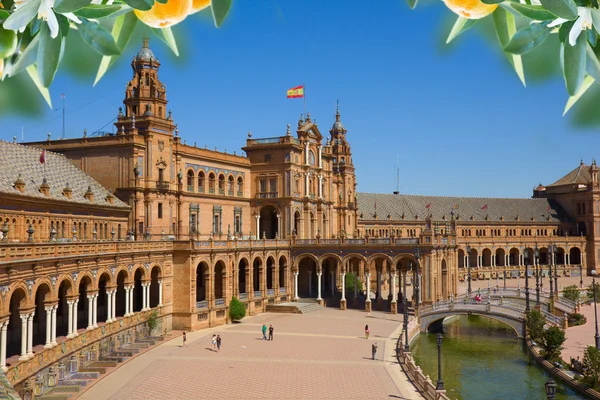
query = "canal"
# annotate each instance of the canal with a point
(483, 359)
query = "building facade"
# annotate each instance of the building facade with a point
(112, 228)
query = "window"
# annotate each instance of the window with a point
(237, 221)
(201, 182)
(190, 181)
(273, 185)
(211, 183)
(141, 165)
(263, 185)
(267, 158)
(230, 185)
(217, 221)
(311, 157)
(240, 183)
(161, 174)
(221, 184)
(160, 113)
(160, 210)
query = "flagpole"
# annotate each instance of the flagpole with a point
(304, 90)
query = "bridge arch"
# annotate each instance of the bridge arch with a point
(432, 321)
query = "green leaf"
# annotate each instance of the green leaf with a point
(8, 43)
(596, 19)
(527, 39)
(97, 11)
(3, 15)
(48, 55)
(537, 13)
(591, 35)
(166, 35)
(34, 75)
(27, 57)
(462, 24)
(64, 24)
(143, 5)
(492, 1)
(122, 31)
(98, 38)
(563, 31)
(566, 9)
(592, 63)
(506, 27)
(220, 9)
(162, 1)
(574, 64)
(66, 6)
(587, 83)
(20, 18)
(412, 4)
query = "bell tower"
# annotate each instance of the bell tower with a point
(344, 178)
(145, 97)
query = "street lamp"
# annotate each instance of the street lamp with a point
(580, 275)
(440, 382)
(406, 346)
(550, 262)
(468, 249)
(418, 256)
(596, 336)
(537, 276)
(554, 250)
(550, 389)
(526, 259)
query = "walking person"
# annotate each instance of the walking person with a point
(214, 342)
(184, 339)
(218, 343)
(264, 332)
(271, 329)
(374, 350)
(367, 331)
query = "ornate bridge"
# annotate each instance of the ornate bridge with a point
(432, 316)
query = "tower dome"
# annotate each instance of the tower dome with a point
(145, 53)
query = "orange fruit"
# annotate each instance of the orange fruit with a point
(471, 9)
(165, 15)
(198, 5)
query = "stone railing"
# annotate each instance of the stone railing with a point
(282, 290)
(257, 295)
(219, 302)
(49, 250)
(422, 383)
(243, 296)
(236, 244)
(270, 292)
(201, 305)
(560, 303)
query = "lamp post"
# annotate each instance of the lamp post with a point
(537, 275)
(596, 336)
(550, 262)
(554, 250)
(406, 346)
(440, 382)
(550, 389)
(525, 259)
(580, 275)
(468, 249)
(418, 256)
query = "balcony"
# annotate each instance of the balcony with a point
(219, 302)
(267, 195)
(243, 296)
(162, 185)
(200, 305)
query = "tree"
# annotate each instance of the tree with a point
(237, 309)
(552, 341)
(591, 367)
(535, 324)
(152, 321)
(590, 291)
(350, 278)
(571, 293)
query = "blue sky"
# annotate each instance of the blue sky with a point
(457, 117)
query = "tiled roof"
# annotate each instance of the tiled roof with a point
(580, 175)
(395, 205)
(22, 160)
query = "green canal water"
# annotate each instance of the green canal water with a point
(483, 359)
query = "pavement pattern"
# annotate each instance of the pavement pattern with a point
(322, 354)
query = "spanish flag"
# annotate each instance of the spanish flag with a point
(296, 92)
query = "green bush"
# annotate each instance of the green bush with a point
(576, 319)
(535, 324)
(571, 293)
(152, 320)
(237, 309)
(552, 341)
(591, 367)
(350, 284)
(590, 291)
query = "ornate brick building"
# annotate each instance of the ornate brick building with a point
(140, 221)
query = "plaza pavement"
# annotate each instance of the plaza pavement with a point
(322, 354)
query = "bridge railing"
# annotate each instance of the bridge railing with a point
(561, 303)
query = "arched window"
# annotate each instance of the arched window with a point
(201, 181)
(190, 181)
(311, 157)
(230, 185)
(240, 186)
(221, 184)
(211, 183)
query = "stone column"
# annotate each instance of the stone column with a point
(306, 153)
(54, 309)
(320, 187)
(127, 301)
(306, 185)
(90, 312)
(48, 327)
(296, 286)
(320, 157)
(368, 292)
(394, 304)
(144, 296)
(114, 305)
(343, 300)
(131, 290)
(319, 275)
(257, 216)
(75, 305)
(109, 306)
(4, 327)
(30, 335)
(160, 294)
(23, 356)
(95, 310)
(70, 319)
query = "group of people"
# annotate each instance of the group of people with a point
(374, 345)
(270, 330)
(215, 341)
